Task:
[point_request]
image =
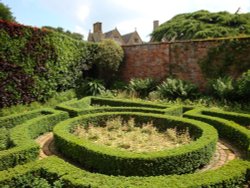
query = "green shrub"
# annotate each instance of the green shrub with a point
(109, 58)
(110, 55)
(223, 88)
(176, 88)
(243, 85)
(91, 87)
(4, 138)
(142, 86)
(119, 85)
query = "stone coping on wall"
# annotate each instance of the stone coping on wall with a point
(190, 41)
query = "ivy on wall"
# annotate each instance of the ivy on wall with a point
(37, 63)
(230, 57)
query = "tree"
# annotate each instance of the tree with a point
(5, 13)
(203, 24)
(73, 35)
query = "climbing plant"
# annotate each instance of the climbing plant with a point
(230, 57)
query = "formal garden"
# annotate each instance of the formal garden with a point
(68, 120)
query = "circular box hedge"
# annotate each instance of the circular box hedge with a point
(103, 159)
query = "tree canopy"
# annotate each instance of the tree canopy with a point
(202, 25)
(73, 35)
(5, 13)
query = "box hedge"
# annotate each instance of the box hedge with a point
(22, 138)
(89, 105)
(233, 174)
(234, 133)
(107, 160)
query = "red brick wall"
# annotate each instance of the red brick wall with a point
(160, 60)
(184, 58)
(146, 60)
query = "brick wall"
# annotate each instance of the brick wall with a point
(147, 60)
(160, 60)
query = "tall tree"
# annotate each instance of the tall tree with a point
(203, 24)
(5, 13)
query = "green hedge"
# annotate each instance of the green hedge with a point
(53, 169)
(4, 139)
(124, 102)
(229, 130)
(13, 120)
(85, 106)
(113, 161)
(21, 136)
(240, 118)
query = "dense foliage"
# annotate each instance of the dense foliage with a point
(5, 13)
(176, 88)
(203, 24)
(142, 86)
(231, 89)
(37, 63)
(230, 57)
(243, 86)
(73, 35)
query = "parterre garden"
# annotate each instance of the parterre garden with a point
(37, 64)
(95, 165)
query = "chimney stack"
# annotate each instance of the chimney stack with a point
(97, 27)
(156, 24)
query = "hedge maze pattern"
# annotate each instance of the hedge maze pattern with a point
(85, 164)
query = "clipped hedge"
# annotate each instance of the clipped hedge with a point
(107, 160)
(21, 136)
(240, 118)
(227, 129)
(13, 120)
(89, 105)
(53, 169)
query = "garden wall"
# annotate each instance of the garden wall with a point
(177, 59)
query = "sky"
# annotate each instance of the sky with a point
(125, 15)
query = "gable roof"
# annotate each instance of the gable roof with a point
(126, 37)
(114, 34)
(109, 33)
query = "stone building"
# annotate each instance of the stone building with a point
(127, 39)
